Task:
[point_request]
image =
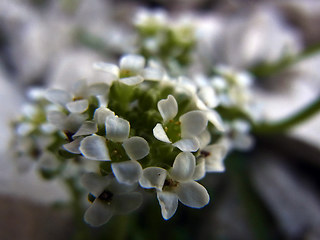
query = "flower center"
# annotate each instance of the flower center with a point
(106, 196)
(205, 154)
(170, 184)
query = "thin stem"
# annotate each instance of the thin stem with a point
(289, 122)
(268, 69)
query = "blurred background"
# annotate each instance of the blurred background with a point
(270, 192)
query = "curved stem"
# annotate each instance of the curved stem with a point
(289, 122)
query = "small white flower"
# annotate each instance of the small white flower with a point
(180, 185)
(111, 198)
(176, 184)
(191, 125)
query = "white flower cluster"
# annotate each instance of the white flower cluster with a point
(143, 129)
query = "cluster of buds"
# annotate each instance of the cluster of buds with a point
(165, 39)
(142, 130)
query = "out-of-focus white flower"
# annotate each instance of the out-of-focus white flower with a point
(111, 198)
(239, 136)
(78, 100)
(131, 70)
(214, 155)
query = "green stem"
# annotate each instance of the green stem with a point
(289, 122)
(264, 70)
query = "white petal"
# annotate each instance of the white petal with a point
(132, 80)
(25, 128)
(127, 172)
(183, 166)
(101, 114)
(58, 96)
(57, 119)
(126, 202)
(192, 194)
(168, 202)
(117, 129)
(94, 148)
(136, 147)
(119, 188)
(160, 134)
(200, 170)
(216, 120)
(78, 106)
(152, 74)
(193, 123)
(98, 213)
(73, 122)
(47, 128)
(243, 142)
(214, 156)
(73, 146)
(98, 89)
(187, 144)
(168, 108)
(95, 183)
(208, 96)
(107, 67)
(87, 128)
(79, 88)
(153, 177)
(204, 138)
(133, 63)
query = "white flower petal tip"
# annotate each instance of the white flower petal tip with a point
(216, 120)
(87, 128)
(168, 203)
(152, 74)
(160, 134)
(193, 123)
(127, 172)
(132, 62)
(78, 106)
(57, 119)
(208, 96)
(107, 67)
(98, 213)
(58, 96)
(101, 114)
(94, 148)
(136, 147)
(117, 129)
(132, 80)
(168, 108)
(193, 194)
(73, 146)
(187, 144)
(153, 177)
(183, 166)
